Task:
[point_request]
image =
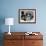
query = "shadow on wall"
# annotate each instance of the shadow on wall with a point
(2, 21)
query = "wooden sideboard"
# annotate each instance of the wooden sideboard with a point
(20, 39)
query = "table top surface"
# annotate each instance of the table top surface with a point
(22, 35)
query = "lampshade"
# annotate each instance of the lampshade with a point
(9, 21)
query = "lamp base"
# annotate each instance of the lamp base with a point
(9, 33)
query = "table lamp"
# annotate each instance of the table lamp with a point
(9, 21)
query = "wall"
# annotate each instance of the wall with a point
(9, 8)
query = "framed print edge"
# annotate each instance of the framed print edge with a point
(26, 22)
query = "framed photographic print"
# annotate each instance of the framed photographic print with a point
(27, 15)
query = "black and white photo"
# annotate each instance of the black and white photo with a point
(27, 15)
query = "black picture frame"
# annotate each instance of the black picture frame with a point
(27, 16)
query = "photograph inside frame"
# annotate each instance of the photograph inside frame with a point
(27, 15)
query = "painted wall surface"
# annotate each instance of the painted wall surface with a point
(9, 8)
